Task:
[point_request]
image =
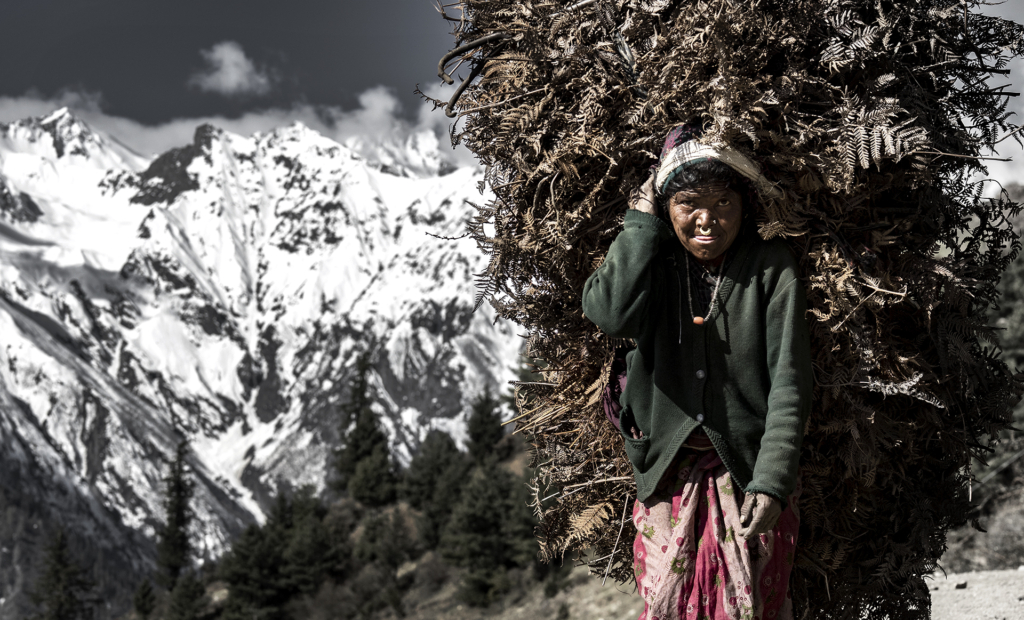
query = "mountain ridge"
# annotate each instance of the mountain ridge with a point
(220, 292)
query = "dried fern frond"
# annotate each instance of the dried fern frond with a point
(872, 117)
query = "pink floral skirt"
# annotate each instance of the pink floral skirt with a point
(690, 563)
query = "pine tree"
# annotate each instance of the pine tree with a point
(311, 555)
(1011, 320)
(437, 452)
(364, 465)
(384, 540)
(489, 532)
(144, 600)
(381, 548)
(291, 556)
(484, 428)
(62, 591)
(253, 569)
(1009, 317)
(444, 485)
(359, 441)
(173, 546)
(375, 481)
(520, 526)
(360, 398)
(474, 537)
(188, 598)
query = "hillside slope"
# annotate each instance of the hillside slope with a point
(218, 293)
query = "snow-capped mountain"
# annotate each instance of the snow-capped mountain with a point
(417, 155)
(218, 293)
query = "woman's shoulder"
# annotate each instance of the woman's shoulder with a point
(772, 259)
(771, 251)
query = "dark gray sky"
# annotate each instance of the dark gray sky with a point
(149, 71)
(140, 54)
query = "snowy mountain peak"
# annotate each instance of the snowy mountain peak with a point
(61, 135)
(69, 135)
(415, 156)
(222, 292)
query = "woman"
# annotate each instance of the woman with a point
(718, 390)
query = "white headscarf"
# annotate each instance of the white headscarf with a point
(693, 151)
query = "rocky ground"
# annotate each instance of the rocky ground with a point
(581, 596)
(985, 595)
(988, 595)
(585, 599)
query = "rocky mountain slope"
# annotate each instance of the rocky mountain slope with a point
(218, 293)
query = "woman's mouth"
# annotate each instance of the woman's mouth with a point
(705, 238)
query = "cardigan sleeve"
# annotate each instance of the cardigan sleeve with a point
(789, 399)
(618, 294)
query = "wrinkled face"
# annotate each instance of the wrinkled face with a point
(706, 219)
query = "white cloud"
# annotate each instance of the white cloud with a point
(33, 104)
(377, 119)
(429, 118)
(229, 72)
(375, 116)
(1009, 171)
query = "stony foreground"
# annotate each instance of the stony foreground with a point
(990, 595)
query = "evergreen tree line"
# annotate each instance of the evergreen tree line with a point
(1009, 322)
(63, 590)
(394, 529)
(382, 534)
(993, 539)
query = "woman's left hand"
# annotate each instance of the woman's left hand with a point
(759, 514)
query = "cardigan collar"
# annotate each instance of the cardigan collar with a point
(733, 266)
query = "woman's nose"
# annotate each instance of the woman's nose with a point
(704, 218)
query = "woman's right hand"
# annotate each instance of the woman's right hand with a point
(642, 198)
(759, 514)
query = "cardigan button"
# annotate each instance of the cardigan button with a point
(700, 418)
(701, 374)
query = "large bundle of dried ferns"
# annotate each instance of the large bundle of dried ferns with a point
(873, 118)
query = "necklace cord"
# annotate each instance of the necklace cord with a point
(714, 294)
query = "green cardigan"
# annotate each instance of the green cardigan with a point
(745, 376)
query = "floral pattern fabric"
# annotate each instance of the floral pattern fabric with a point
(689, 562)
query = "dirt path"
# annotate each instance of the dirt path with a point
(989, 595)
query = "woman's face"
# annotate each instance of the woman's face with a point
(706, 219)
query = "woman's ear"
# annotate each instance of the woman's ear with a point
(663, 211)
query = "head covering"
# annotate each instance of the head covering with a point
(683, 148)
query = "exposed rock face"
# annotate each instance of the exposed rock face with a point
(221, 293)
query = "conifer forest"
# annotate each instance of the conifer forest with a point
(380, 538)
